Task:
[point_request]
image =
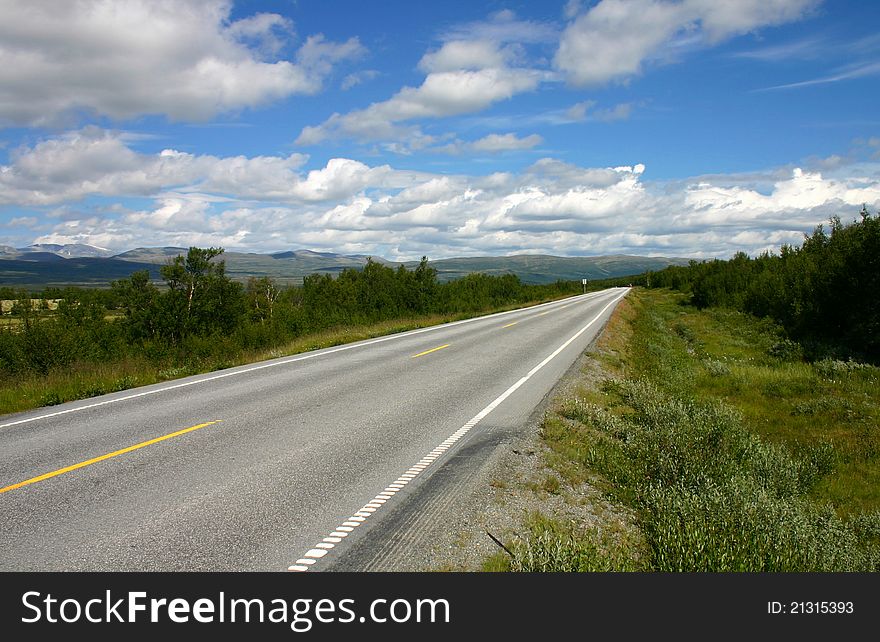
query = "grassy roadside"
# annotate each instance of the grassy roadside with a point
(84, 380)
(732, 453)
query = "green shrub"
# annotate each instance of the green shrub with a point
(711, 495)
(716, 368)
(786, 350)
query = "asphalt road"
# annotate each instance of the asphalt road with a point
(290, 463)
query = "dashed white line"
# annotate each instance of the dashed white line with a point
(311, 556)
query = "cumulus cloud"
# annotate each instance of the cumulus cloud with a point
(613, 39)
(185, 59)
(442, 94)
(268, 33)
(268, 203)
(492, 143)
(505, 142)
(480, 64)
(465, 74)
(93, 161)
(317, 56)
(463, 54)
(89, 161)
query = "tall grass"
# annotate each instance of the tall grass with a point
(685, 435)
(711, 495)
(553, 546)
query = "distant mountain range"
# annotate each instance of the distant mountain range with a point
(70, 251)
(42, 265)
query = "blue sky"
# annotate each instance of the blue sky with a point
(653, 127)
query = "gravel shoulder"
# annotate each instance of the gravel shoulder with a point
(452, 531)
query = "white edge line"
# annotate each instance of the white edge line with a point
(282, 362)
(297, 567)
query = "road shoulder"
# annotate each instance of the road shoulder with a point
(465, 503)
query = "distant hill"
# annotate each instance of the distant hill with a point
(38, 271)
(68, 251)
(40, 266)
(158, 255)
(286, 267)
(539, 268)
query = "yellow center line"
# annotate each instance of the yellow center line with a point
(509, 324)
(95, 460)
(421, 354)
(543, 313)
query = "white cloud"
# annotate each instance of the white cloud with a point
(92, 161)
(442, 94)
(859, 70)
(455, 92)
(181, 58)
(463, 54)
(578, 111)
(482, 63)
(269, 203)
(612, 39)
(89, 161)
(268, 32)
(492, 144)
(620, 111)
(720, 20)
(505, 142)
(259, 177)
(23, 221)
(317, 56)
(503, 26)
(476, 66)
(797, 50)
(584, 111)
(571, 9)
(179, 214)
(357, 78)
(340, 179)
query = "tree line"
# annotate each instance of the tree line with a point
(198, 313)
(825, 292)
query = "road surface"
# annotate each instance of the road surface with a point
(304, 463)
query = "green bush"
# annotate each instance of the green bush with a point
(711, 495)
(821, 292)
(740, 526)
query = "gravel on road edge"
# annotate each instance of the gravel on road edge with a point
(509, 486)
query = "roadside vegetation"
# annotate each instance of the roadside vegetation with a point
(739, 438)
(823, 293)
(64, 344)
(732, 454)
